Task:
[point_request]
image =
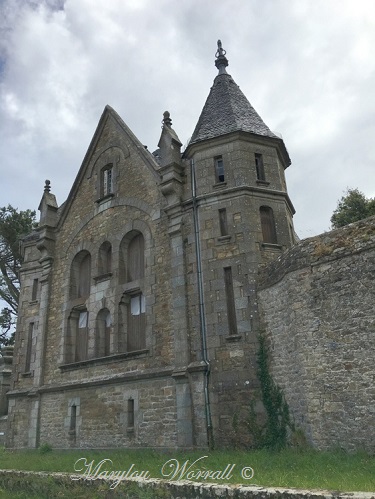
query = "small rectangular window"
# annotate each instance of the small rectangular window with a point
(107, 181)
(219, 169)
(231, 308)
(34, 292)
(73, 418)
(259, 167)
(223, 222)
(29, 347)
(131, 413)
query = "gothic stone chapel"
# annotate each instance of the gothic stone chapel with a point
(138, 318)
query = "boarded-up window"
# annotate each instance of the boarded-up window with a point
(229, 293)
(84, 277)
(223, 222)
(103, 333)
(136, 339)
(34, 293)
(80, 275)
(267, 221)
(105, 258)
(81, 335)
(259, 167)
(135, 258)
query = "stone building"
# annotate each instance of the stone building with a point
(138, 318)
(137, 313)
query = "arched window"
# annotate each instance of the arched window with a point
(106, 180)
(132, 306)
(80, 275)
(105, 259)
(267, 221)
(103, 333)
(136, 258)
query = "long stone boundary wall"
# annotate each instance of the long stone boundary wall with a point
(141, 488)
(317, 302)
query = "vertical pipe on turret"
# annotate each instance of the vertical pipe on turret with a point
(202, 313)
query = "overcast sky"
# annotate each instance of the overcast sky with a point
(306, 66)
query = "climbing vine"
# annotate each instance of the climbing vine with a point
(275, 433)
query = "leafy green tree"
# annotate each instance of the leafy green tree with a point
(353, 206)
(13, 225)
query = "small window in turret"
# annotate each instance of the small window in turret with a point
(259, 167)
(219, 169)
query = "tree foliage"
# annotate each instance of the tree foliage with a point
(13, 225)
(353, 206)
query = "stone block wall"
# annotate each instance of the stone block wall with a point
(317, 302)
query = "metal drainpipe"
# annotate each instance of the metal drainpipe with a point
(202, 313)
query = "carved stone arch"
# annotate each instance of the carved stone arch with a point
(106, 168)
(131, 231)
(112, 154)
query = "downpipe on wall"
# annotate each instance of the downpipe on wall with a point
(202, 312)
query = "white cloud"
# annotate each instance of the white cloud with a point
(308, 68)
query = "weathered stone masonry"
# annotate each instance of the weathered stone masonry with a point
(317, 301)
(139, 319)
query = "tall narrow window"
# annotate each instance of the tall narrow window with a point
(107, 180)
(259, 167)
(80, 275)
(267, 221)
(29, 345)
(82, 336)
(136, 323)
(229, 293)
(73, 418)
(84, 277)
(219, 169)
(135, 258)
(103, 333)
(131, 417)
(34, 293)
(223, 222)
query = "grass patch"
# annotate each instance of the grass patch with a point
(305, 469)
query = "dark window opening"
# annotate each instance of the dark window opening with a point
(223, 222)
(267, 221)
(219, 170)
(131, 414)
(73, 418)
(34, 293)
(29, 345)
(259, 167)
(229, 293)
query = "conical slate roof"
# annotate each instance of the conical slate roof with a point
(227, 109)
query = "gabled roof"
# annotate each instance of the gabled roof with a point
(227, 109)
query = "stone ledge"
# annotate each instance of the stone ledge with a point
(183, 489)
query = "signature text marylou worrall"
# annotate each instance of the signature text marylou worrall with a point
(170, 470)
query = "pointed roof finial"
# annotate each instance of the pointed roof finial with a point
(221, 61)
(47, 186)
(167, 119)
